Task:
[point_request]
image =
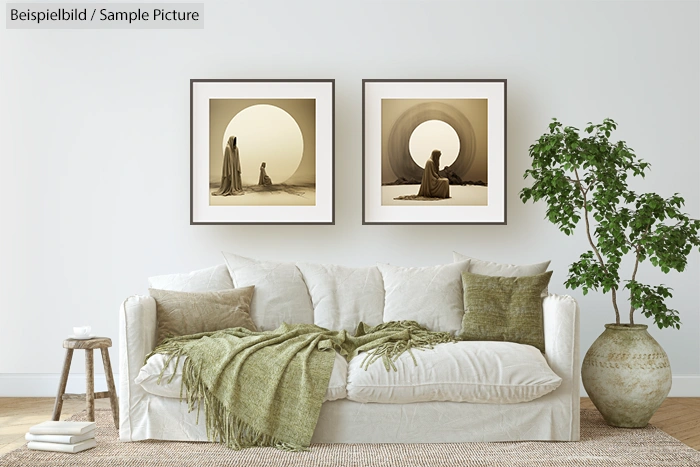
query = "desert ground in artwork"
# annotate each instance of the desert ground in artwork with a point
(270, 195)
(467, 195)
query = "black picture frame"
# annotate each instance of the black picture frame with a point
(392, 112)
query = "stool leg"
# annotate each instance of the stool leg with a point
(90, 385)
(58, 405)
(110, 386)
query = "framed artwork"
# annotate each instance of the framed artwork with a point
(262, 151)
(434, 151)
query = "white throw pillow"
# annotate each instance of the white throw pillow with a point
(344, 296)
(280, 292)
(473, 371)
(489, 268)
(150, 372)
(431, 296)
(214, 279)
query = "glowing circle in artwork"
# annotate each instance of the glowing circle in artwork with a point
(434, 134)
(266, 133)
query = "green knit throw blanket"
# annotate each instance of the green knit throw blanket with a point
(266, 388)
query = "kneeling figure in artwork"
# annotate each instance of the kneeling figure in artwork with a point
(264, 180)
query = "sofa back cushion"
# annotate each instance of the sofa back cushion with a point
(210, 279)
(344, 296)
(431, 296)
(490, 268)
(280, 292)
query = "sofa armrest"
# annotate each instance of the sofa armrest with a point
(137, 338)
(561, 344)
(561, 335)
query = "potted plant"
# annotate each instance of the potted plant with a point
(583, 176)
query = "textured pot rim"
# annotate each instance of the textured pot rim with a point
(626, 327)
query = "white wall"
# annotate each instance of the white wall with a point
(94, 147)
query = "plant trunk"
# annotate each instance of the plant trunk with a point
(595, 248)
(634, 276)
(614, 302)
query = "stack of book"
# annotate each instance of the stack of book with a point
(62, 436)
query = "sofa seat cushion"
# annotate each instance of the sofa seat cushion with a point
(475, 371)
(150, 372)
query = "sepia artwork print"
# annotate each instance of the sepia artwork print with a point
(434, 152)
(262, 152)
(257, 153)
(427, 159)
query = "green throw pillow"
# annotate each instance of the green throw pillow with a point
(504, 308)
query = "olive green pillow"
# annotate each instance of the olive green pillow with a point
(183, 313)
(504, 308)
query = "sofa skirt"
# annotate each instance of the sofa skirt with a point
(343, 421)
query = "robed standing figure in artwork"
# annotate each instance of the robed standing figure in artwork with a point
(432, 186)
(230, 171)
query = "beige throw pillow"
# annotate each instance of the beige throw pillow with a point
(183, 313)
(504, 309)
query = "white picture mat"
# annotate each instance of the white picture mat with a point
(374, 211)
(203, 92)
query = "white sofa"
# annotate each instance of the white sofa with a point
(376, 406)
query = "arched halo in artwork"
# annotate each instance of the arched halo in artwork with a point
(266, 134)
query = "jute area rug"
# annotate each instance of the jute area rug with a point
(600, 445)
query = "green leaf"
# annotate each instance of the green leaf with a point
(584, 176)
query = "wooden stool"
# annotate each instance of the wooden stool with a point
(102, 343)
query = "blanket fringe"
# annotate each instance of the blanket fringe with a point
(222, 425)
(418, 338)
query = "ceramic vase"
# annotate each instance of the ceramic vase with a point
(627, 375)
